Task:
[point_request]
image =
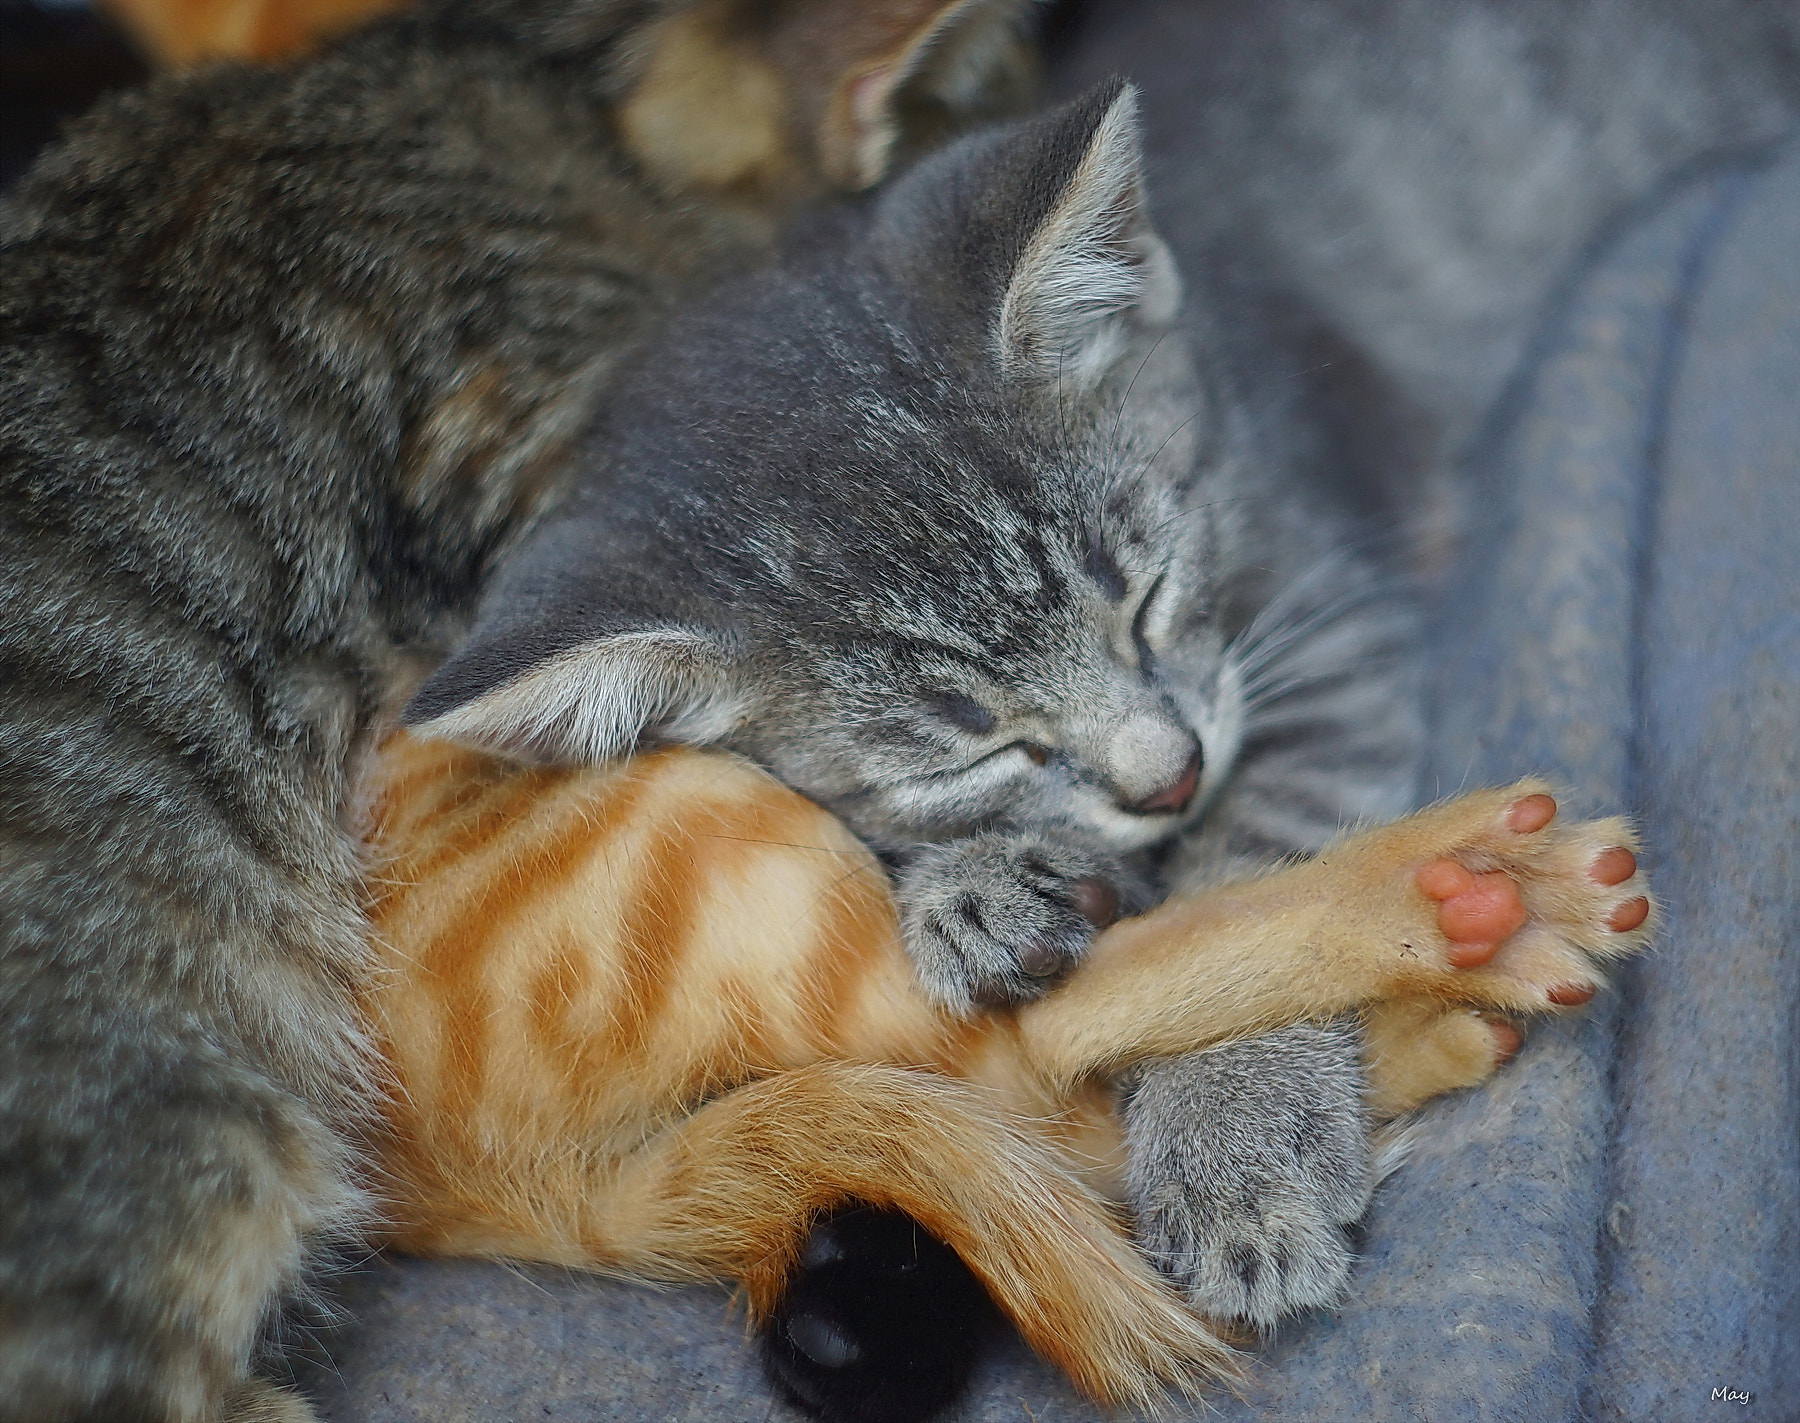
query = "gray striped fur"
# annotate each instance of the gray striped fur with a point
(288, 359)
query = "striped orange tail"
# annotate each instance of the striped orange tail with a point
(734, 1189)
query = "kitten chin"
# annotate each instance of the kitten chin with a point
(881, 1323)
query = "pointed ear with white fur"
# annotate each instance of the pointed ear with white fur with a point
(594, 701)
(1094, 273)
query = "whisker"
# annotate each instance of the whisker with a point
(1290, 647)
(1125, 400)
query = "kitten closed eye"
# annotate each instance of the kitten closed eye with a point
(963, 712)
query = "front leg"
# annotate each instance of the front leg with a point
(1247, 1163)
(1487, 902)
(995, 919)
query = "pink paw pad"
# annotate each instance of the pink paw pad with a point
(1613, 866)
(1507, 1040)
(1531, 814)
(1475, 912)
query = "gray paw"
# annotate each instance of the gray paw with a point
(997, 918)
(1247, 1164)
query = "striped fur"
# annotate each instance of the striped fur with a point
(653, 1017)
(290, 356)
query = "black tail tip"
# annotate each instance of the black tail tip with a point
(880, 1324)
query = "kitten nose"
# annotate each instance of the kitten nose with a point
(1173, 798)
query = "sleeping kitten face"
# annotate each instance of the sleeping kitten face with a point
(932, 523)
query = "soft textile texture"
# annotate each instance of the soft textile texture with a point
(1612, 1230)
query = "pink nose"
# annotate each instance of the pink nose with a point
(1173, 798)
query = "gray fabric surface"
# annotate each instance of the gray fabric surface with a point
(1611, 1230)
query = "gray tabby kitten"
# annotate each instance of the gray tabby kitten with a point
(288, 358)
(942, 524)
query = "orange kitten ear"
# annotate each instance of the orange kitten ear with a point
(853, 63)
(594, 701)
(768, 104)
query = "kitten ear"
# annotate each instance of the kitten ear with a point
(590, 702)
(1093, 268)
(967, 59)
(767, 102)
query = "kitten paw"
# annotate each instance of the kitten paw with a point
(1417, 1049)
(1531, 904)
(997, 919)
(1248, 1163)
(1500, 902)
(881, 1323)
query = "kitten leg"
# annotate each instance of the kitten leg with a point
(1416, 1049)
(735, 1188)
(1362, 922)
(1245, 1166)
(1247, 1162)
(998, 918)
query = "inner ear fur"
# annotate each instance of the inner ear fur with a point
(772, 103)
(1095, 268)
(598, 700)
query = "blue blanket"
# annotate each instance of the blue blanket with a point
(1611, 1231)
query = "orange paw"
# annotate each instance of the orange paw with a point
(1531, 903)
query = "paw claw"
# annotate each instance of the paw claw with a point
(1571, 995)
(1531, 814)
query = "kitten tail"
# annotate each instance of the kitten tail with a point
(735, 1189)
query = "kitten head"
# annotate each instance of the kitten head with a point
(926, 521)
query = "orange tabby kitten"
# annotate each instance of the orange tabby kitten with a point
(653, 1017)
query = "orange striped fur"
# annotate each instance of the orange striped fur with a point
(652, 1017)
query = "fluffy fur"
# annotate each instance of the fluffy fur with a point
(655, 1017)
(945, 524)
(288, 358)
